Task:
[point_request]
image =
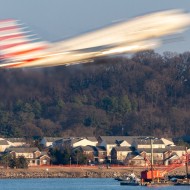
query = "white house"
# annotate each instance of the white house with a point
(110, 142)
(143, 143)
(74, 142)
(168, 141)
(48, 141)
(119, 154)
(3, 145)
(32, 154)
(16, 141)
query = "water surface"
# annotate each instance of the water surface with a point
(73, 184)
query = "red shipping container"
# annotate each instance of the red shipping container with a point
(147, 175)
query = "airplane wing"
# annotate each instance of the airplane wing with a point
(19, 49)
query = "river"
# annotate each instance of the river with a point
(72, 184)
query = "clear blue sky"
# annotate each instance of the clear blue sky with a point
(54, 20)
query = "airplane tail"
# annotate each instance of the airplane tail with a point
(17, 45)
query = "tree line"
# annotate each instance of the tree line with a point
(146, 94)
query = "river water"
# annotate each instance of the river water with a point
(73, 184)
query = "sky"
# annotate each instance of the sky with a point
(55, 20)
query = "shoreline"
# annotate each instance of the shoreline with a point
(76, 172)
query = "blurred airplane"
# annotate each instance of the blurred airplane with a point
(18, 49)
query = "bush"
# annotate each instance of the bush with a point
(20, 162)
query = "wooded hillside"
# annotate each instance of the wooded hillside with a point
(147, 94)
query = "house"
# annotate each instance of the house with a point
(59, 143)
(100, 154)
(175, 154)
(173, 158)
(119, 154)
(158, 155)
(123, 143)
(93, 139)
(82, 142)
(94, 154)
(179, 150)
(27, 152)
(4, 144)
(110, 142)
(143, 143)
(133, 159)
(15, 142)
(33, 155)
(48, 141)
(168, 141)
(87, 151)
(43, 159)
(73, 142)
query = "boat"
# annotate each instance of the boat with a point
(129, 183)
(131, 180)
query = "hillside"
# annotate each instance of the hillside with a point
(147, 94)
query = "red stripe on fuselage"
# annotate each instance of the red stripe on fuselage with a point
(22, 63)
(7, 20)
(11, 45)
(8, 28)
(10, 36)
(23, 52)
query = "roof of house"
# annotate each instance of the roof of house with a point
(155, 150)
(75, 139)
(118, 139)
(168, 139)
(110, 139)
(52, 139)
(23, 149)
(136, 156)
(3, 142)
(14, 140)
(93, 139)
(147, 142)
(176, 148)
(84, 148)
(119, 142)
(78, 139)
(122, 148)
(45, 155)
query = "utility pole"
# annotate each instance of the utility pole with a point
(152, 161)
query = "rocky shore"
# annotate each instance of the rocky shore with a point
(75, 172)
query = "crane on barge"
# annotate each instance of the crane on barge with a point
(152, 174)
